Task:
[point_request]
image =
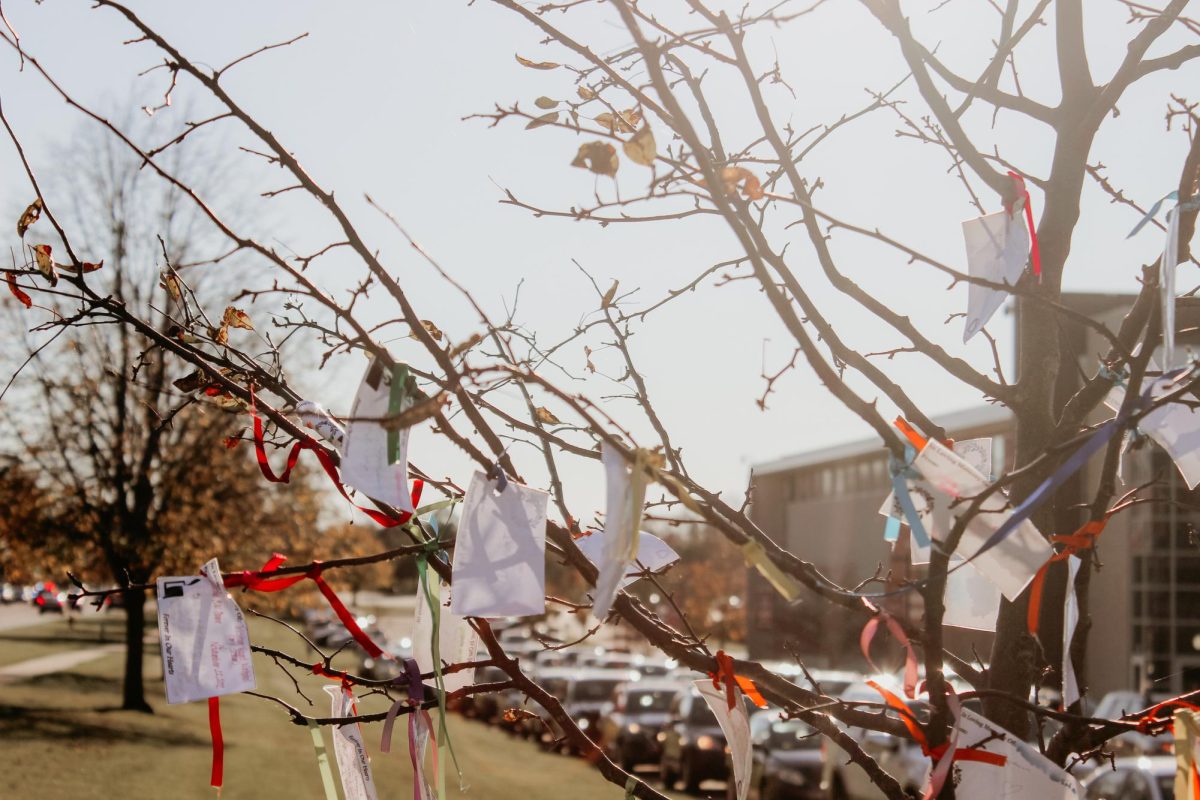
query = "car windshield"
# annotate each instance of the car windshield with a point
(647, 701)
(593, 691)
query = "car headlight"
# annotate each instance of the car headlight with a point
(583, 724)
(706, 743)
(792, 776)
(661, 736)
(634, 728)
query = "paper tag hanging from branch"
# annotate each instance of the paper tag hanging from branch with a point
(625, 496)
(374, 459)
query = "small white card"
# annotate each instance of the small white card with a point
(205, 646)
(1175, 427)
(971, 600)
(653, 554)
(365, 458)
(354, 765)
(997, 251)
(624, 495)
(1012, 563)
(500, 553)
(1070, 684)
(735, 724)
(457, 641)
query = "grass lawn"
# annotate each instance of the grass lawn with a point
(61, 737)
(56, 634)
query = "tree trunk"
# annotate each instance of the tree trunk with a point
(133, 695)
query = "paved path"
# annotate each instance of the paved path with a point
(55, 662)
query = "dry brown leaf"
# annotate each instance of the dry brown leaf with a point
(236, 318)
(735, 177)
(606, 119)
(191, 383)
(463, 347)
(586, 94)
(168, 281)
(627, 120)
(45, 264)
(219, 335)
(29, 217)
(599, 157)
(433, 330)
(610, 295)
(544, 119)
(525, 62)
(545, 102)
(546, 416)
(640, 149)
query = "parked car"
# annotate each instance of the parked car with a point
(587, 693)
(629, 725)
(48, 601)
(1115, 705)
(786, 760)
(901, 758)
(9, 593)
(1133, 778)
(693, 746)
(540, 727)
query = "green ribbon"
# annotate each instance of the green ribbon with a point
(630, 786)
(431, 594)
(323, 761)
(396, 397)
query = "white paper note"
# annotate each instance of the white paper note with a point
(1175, 427)
(653, 554)
(971, 600)
(997, 251)
(735, 725)
(354, 765)
(1026, 775)
(202, 634)
(1070, 684)
(500, 554)
(1012, 563)
(365, 458)
(624, 495)
(457, 640)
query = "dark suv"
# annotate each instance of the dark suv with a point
(630, 724)
(693, 746)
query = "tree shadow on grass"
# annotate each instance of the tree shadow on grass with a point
(74, 682)
(62, 724)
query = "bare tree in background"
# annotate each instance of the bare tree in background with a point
(648, 103)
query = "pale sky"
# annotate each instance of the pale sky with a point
(373, 99)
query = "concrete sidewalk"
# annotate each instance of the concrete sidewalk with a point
(56, 662)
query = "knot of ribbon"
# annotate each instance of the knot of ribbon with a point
(897, 631)
(726, 678)
(1073, 544)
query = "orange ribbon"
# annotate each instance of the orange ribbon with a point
(1082, 539)
(918, 735)
(725, 676)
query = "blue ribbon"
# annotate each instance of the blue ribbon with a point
(901, 472)
(1154, 209)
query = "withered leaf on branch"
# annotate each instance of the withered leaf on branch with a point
(732, 177)
(168, 281)
(586, 94)
(545, 102)
(191, 383)
(29, 217)
(219, 335)
(433, 330)
(546, 416)
(416, 414)
(599, 157)
(24, 299)
(525, 62)
(236, 318)
(463, 347)
(640, 149)
(45, 263)
(544, 119)
(610, 295)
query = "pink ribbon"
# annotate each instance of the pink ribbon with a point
(417, 718)
(910, 658)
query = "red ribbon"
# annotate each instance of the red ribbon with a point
(1148, 718)
(261, 582)
(1035, 255)
(308, 443)
(218, 742)
(918, 735)
(725, 676)
(24, 299)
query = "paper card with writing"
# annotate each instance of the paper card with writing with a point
(500, 553)
(735, 724)
(366, 463)
(457, 640)
(1026, 774)
(653, 554)
(1070, 684)
(997, 251)
(202, 634)
(354, 765)
(1175, 427)
(933, 507)
(971, 600)
(1012, 563)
